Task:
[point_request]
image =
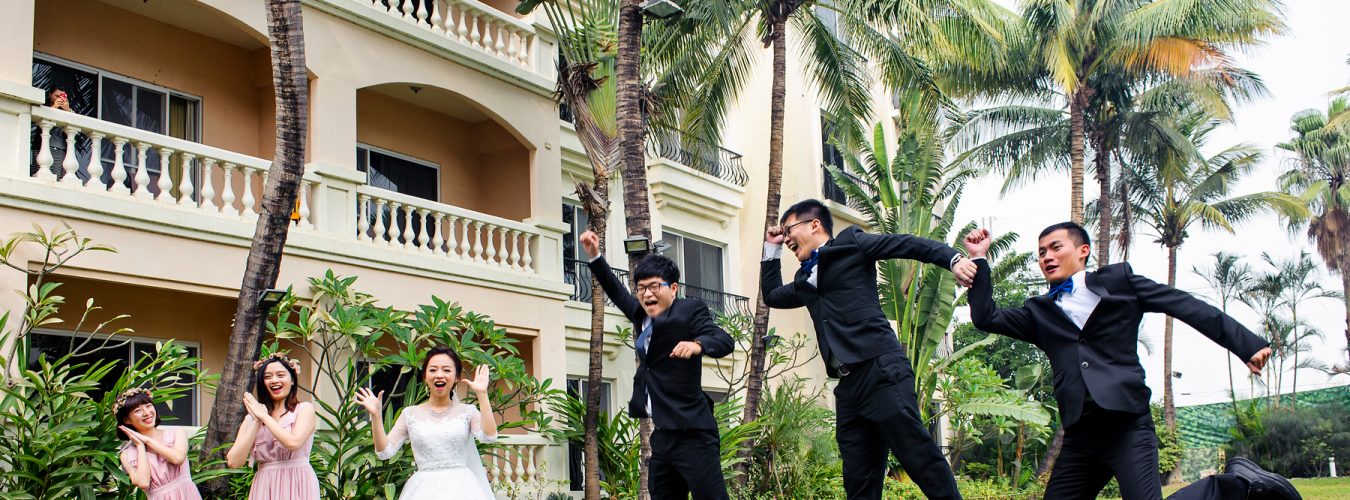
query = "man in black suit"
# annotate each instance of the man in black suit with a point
(674, 333)
(1088, 325)
(875, 402)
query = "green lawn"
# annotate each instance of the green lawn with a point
(1311, 489)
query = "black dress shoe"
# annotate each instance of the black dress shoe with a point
(1264, 485)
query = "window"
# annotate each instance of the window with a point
(575, 272)
(700, 263)
(387, 379)
(399, 173)
(576, 467)
(830, 155)
(56, 344)
(121, 100)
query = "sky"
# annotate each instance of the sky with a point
(1299, 69)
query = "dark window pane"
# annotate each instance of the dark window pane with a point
(402, 176)
(118, 102)
(150, 110)
(386, 379)
(81, 86)
(576, 473)
(55, 346)
(184, 410)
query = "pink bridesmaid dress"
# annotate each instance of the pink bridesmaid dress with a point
(282, 474)
(167, 481)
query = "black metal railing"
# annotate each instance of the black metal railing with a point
(719, 301)
(578, 274)
(831, 190)
(710, 159)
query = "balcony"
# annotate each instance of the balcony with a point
(111, 170)
(831, 190)
(710, 159)
(727, 304)
(578, 274)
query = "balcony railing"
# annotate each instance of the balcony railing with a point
(467, 22)
(578, 274)
(515, 462)
(113, 160)
(710, 159)
(831, 190)
(719, 301)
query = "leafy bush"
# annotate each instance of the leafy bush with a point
(796, 456)
(1297, 442)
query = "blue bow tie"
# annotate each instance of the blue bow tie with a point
(1064, 287)
(809, 264)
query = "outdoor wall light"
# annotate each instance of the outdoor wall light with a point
(636, 245)
(660, 9)
(267, 299)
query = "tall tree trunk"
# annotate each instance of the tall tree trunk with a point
(289, 80)
(1293, 390)
(1345, 294)
(1017, 457)
(1232, 388)
(637, 214)
(1051, 455)
(1077, 107)
(595, 368)
(1102, 161)
(1169, 403)
(754, 387)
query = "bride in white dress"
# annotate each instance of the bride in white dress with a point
(442, 431)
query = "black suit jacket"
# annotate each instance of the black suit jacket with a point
(845, 306)
(675, 385)
(1102, 359)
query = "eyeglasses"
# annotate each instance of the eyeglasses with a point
(641, 289)
(788, 228)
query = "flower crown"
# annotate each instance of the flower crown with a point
(294, 364)
(122, 400)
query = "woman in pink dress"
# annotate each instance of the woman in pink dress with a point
(277, 433)
(154, 457)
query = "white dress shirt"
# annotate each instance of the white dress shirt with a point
(1080, 303)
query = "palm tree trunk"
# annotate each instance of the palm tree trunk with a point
(1169, 403)
(595, 368)
(1051, 455)
(1293, 390)
(1077, 106)
(1232, 388)
(755, 384)
(1017, 457)
(1102, 161)
(1345, 293)
(637, 214)
(289, 79)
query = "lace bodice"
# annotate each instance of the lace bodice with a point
(439, 441)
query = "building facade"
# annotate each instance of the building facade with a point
(437, 164)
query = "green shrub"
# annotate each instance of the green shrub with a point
(1297, 442)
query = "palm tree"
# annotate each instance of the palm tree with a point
(1173, 191)
(1092, 54)
(289, 79)
(839, 39)
(1320, 175)
(1266, 296)
(1301, 277)
(1229, 279)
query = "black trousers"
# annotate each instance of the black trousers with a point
(1102, 444)
(684, 462)
(877, 413)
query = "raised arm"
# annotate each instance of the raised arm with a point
(481, 423)
(299, 433)
(771, 287)
(1204, 318)
(984, 314)
(612, 285)
(243, 443)
(908, 246)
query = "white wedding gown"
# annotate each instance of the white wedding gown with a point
(448, 465)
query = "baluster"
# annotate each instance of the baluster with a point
(119, 173)
(185, 185)
(513, 258)
(96, 159)
(463, 30)
(526, 48)
(70, 164)
(422, 237)
(408, 6)
(508, 467)
(363, 219)
(395, 228)
(476, 251)
(378, 237)
(304, 205)
(165, 181)
(407, 226)
(502, 255)
(420, 12)
(452, 241)
(487, 37)
(248, 210)
(475, 35)
(141, 182)
(500, 48)
(207, 196)
(490, 250)
(227, 187)
(531, 455)
(44, 157)
(437, 16)
(513, 38)
(526, 256)
(438, 239)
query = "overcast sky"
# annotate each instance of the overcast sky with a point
(1299, 69)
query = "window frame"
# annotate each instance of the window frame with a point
(134, 82)
(435, 167)
(680, 260)
(195, 390)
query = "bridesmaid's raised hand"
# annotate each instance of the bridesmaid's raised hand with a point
(370, 401)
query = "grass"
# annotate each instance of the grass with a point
(1311, 489)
